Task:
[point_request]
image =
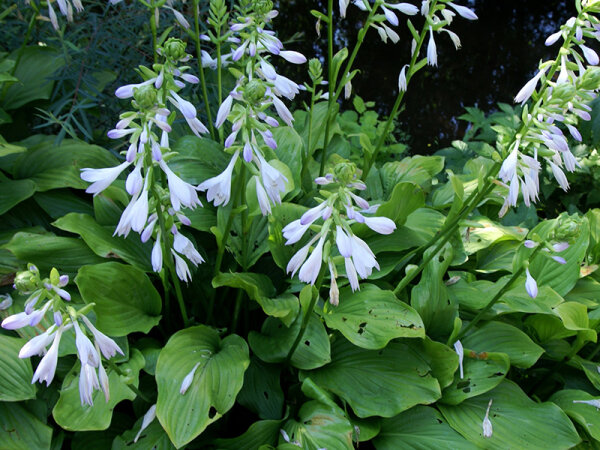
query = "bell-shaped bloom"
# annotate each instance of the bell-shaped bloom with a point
(458, 348)
(16, 321)
(224, 111)
(37, 345)
(463, 11)
(85, 349)
(487, 424)
(310, 269)
(404, 8)
(148, 418)
(431, 49)
(273, 180)
(47, 366)
(263, 199)
(351, 274)
(184, 246)
(101, 178)
(219, 188)
(527, 90)
(362, 257)
(182, 193)
(107, 346)
(104, 383)
(530, 285)
(343, 242)
(381, 225)
(181, 268)
(88, 382)
(283, 111)
(187, 381)
(293, 57)
(402, 83)
(299, 257)
(294, 231)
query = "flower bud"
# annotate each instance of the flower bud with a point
(590, 80)
(262, 6)
(145, 96)
(254, 91)
(315, 69)
(25, 281)
(174, 49)
(345, 172)
(563, 92)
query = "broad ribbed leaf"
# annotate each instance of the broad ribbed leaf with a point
(125, 299)
(215, 385)
(262, 392)
(153, 437)
(377, 383)
(517, 421)
(102, 242)
(275, 340)
(70, 414)
(47, 251)
(420, 427)
(15, 373)
(320, 423)
(21, 430)
(14, 192)
(504, 338)
(263, 432)
(198, 159)
(586, 415)
(371, 317)
(260, 288)
(482, 372)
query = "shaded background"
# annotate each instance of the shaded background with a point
(500, 52)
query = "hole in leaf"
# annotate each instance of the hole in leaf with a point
(462, 384)
(467, 390)
(307, 343)
(266, 394)
(361, 327)
(212, 412)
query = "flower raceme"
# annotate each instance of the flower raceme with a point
(147, 128)
(93, 376)
(559, 105)
(259, 87)
(338, 211)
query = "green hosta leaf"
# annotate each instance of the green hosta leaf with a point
(262, 392)
(216, 383)
(101, 440)
(15, 373)
(404, 200)
(442, 359)
(198, 159)
(153, 437)
(590, 368)
(425, 222)
(430, 298)
(504, 338)
(53, 166)
(497, 257)
(547, 272)
(21, 430)
(416, 169)
(289, 150)
(110, 204)
(382, 383)
(14, 192)
(101, 240)
(126, 301)
(420, 427)
(517, 421)
(586, 291)
(490, 233)
(71, 415)
(263, 432)
(275, 340)
(371, 317)
(482, 372)
(60, 202)
(47, 251)
(260, 288)
(203, 219)
(320, 423)
(584, 414)
(36, 66)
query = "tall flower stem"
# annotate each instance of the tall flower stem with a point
(476, 196)
(446, 232)
(219, 76)
(308, 314)
(412, 70)
(332, 83)
(201, 69)
(222, 243)
(496, 297)
(168, 260)
(244, 217)
(154, 13)
(330, 80)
